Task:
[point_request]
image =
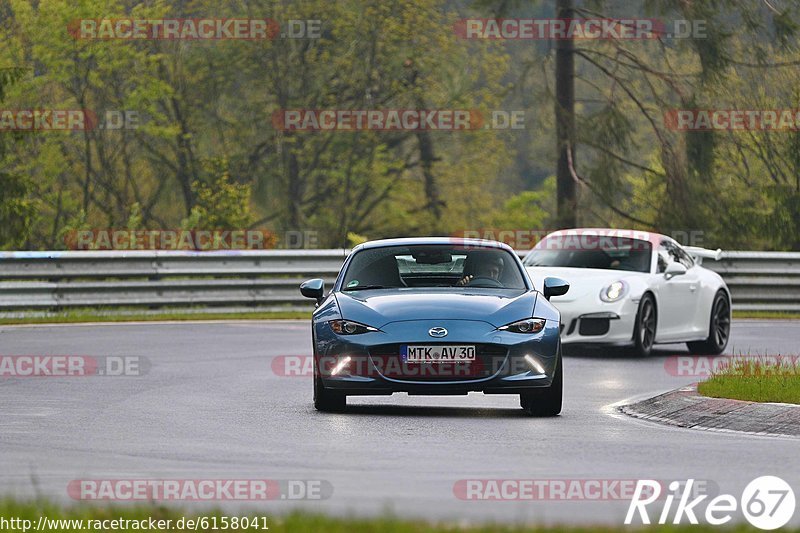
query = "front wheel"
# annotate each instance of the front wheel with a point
(324, 399)
(719, 328)
(547, 400)
(644, 331)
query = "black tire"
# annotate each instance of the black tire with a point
(644, 329)
(719, 328)
(546, 401)
(326, 400)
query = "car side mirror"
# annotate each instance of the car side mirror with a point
(555, 287)
(313, 288)
(674, 269)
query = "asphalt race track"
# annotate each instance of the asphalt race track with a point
(211, 406)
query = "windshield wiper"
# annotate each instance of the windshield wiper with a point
(363, 287)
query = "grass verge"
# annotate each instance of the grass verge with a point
(296, 522)
(80, 316)
(779, 315)
(752, 379)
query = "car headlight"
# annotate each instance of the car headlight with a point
(529, 325)
(348, 327)
(614, 292)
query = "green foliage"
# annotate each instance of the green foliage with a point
(9, 76)
(17, 207)
(17, 210)
(638, 172)
(782, 221)
(529, 210)
(221, 204)
(135, 218)
(354, 239)
(205, 153)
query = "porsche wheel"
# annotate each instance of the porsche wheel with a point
(644, 332)
(719, 328)
(546, 401)
(326, 400)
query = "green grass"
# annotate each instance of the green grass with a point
(785, 315)
(755, 380)
(79, 316)
(299, 522)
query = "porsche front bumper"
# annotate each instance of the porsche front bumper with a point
(601, 323)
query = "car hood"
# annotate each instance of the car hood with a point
(381, 306)
(582, 281)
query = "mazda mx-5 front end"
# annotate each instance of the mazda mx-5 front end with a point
(436, 316)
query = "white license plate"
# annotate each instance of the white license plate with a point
(436, 353)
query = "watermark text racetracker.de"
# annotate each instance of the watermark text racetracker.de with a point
(193, 29)
(70, 120)
(128, 239)
(396, 119)
(161, 490)
(526, 238)
(190, 240)
(598, 489)
(732, 119)
(394, 365)
(37, 366)
(732, 365)
(578, 29)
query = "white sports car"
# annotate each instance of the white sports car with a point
(633, 288)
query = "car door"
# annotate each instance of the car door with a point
(677, 295)
(695, 315)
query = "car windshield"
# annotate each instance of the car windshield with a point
(443, 265)
(608, 253)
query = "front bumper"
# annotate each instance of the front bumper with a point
(376, 367)
(601, 323)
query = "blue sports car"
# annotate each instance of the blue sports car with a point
(436, 316)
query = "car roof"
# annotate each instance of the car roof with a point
(411, 241)
(642, 235)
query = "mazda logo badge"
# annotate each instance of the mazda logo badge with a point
(437, 332)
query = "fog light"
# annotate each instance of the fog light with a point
(340, 365)
(535, 364)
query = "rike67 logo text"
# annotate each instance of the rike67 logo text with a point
(767, 502)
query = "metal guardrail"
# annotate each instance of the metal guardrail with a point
(156, 264)
(759, 281)
(57, 280)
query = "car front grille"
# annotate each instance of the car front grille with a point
(594, 326)
(489, 359)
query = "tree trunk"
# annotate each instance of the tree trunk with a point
(427, 158)
(565, 123)
(295, 189)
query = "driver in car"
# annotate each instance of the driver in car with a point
(489, 267)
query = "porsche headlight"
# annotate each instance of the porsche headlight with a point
(529, 325)
(348, 327)
(614, 292)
